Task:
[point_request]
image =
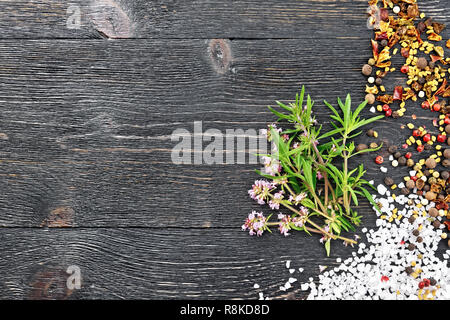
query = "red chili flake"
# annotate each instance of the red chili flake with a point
(402, 242)
(384, 14)
(420, 148)
(379, 160)
(447, 120)
(408, 155)
(375, 49)
(425, 105)
(435, 123)
(447, 223)
(405, 52)
(398, 93)
(427, 137)
(381, 36)
(404, 69)
(384, 278)
(435, 58)
(414, 178)
(441, 138)
(436, 107)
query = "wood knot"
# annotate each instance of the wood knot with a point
(50, 283)
(110, 20)
(220, 54)
(60, 217)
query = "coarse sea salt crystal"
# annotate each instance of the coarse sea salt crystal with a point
(291, 270)
(372, 109)
(256, 286)
(288, 264)
(383, 169)
(381, 189)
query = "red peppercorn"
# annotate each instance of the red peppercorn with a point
(447, 120)
(421, 285)
(441, 138)
(436, 107)
(384, 278)
(388, 112)
(379, 160)
(414, 178)
(408, 155)
(427, 137)
(420, 148)
(404, 69)
(385, 107)
(425, 105)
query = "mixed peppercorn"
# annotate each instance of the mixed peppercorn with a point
(427, 79)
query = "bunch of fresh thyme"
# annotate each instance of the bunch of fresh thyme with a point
(308, 173)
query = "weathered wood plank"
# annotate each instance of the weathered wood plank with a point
(86, 125)
(311, 19)
(156, 264)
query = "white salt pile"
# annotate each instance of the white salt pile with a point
(400, 261)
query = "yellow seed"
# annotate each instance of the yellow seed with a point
(410, 126)
(379, 108)
(412, 139)
(422, 161)
(433, 156)
(436, 174)
(413, 263)
(408, 142)
(406, 178)
(420, 227)
(383, 89)
(420, 256)
(375, 134)
(419, 142)
(422, 15)
(439, 153)
(395, 51)
(438, 147)
(394, 186)
(444, 236)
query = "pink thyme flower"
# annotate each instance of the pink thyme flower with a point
(295, 145)
(284, 224)
(298, 198)
(275, 202)
(327, 229)
(260, 190)
(299, 221)
(255, 223)
(271, 166)
(319, 175)
(285, 137)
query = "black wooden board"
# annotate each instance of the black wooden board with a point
(85, 141)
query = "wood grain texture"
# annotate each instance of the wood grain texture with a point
(87, 125)
(303, 19)
(85, 168)
(156, 264)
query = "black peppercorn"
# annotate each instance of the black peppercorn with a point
(392, 149)
(405, 191)
(388, 181)
(397, 155)
(411, 219)
(419, 239)
(411, 246)
(409, 270)
(416, 232)
(436, 224)
(433, 281)
(402, 161)
(445, 175)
